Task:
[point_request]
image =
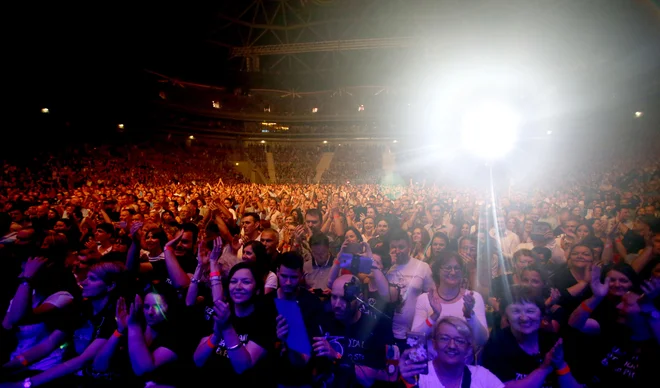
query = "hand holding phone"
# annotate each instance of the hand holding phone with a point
(418, 352)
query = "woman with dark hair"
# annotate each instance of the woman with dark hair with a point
(451, 298)
(144, 346)
(420, 239)
(438, 244)
(255, 251)
(572, 280)
(243, 334)
(607, 289)
(522, 355)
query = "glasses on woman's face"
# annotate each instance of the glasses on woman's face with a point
(449, 269)
(459, 341)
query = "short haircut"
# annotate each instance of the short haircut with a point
(291, 260)
(315, 213)
(521, 294)
(254, 216)
(319, 239)
(399, 234)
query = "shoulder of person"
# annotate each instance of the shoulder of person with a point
(482, 377)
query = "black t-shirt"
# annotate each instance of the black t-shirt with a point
(258, 327)
(562, 280)
(508, 361)
(121, 371)
(362, 343)
(622, 362)
(160, 274)
(378, 307)
(313, 312)
(85, 326)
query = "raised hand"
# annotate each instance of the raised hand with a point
(33, 265)
(410, 369)
(597, 288)
(121, 315)
(173, 242)
(135, 313)
(216, 252)
(221, 316)
(468, 304)
(436, 303)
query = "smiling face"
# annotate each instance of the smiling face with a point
(581, 257)
(524, 318)
(452, 347)
(242, 286)
(619, 283)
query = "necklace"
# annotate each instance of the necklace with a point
(450, 299)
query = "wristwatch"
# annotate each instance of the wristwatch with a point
(27, 383)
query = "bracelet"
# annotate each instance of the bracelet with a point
(586, 308)
(214, 274)
(214, 278)
(21, 358)
(210, 344)
(429, 323)
(194, 280)
(407, 384)
(563, 371)
(238, 345)
(25, 280)
(117, 334)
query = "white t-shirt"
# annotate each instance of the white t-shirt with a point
(481, 378)
(423, 311)
(271, 281)
(31, 335)
(412, 278)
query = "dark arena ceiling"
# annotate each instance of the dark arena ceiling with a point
(338, 61)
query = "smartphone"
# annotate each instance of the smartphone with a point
(353, 248)
(419, 353)
(355, 264)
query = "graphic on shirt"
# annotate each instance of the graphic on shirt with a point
(333, 340)
(621, 363)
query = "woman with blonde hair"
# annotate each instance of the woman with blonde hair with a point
(447, 364)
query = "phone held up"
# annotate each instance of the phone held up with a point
(419, 353)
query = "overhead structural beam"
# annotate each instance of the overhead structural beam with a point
(315, 47)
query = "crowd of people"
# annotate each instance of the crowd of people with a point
(356, 164)
(147, 267)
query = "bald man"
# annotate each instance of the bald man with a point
(356, 341)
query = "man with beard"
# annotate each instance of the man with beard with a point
(412, 277)
(180, 261)
(355, 342)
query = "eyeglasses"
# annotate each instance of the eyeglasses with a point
(459, 341)
(448, 269)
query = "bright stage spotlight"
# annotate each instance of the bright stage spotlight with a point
(489, 129)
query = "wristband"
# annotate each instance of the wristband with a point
(21, 358)
(586, 308)
(209, 343)
(117, 334)
(214, 274)
(407, 384)
(336, 262)
(429, 323)
(238, 345)
(169, 248)
(563, 371)
(214, 278)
